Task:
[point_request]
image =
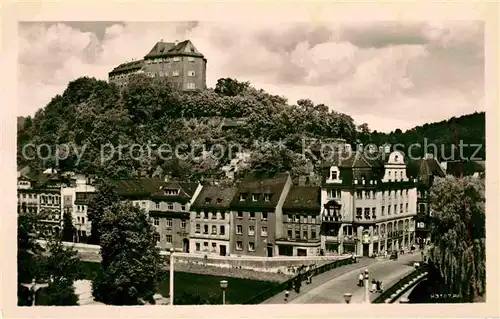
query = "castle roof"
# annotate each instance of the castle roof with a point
(163, 49)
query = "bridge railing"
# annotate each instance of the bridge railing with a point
(396, 290)
(268, 293)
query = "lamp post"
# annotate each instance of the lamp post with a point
(347, 297)
(223, 285)
(171, 276)
(34, 288)
(367, 296)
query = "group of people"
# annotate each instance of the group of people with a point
(376, 284)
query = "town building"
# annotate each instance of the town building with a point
(75, 202)
(425, 170)
(180, 62)
(301, 222)
(40, 193)
(211, 220)
(368, 204)
(257, 215)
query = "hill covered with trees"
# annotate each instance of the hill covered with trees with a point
(95, 117)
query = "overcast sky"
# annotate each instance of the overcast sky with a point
(390, 75)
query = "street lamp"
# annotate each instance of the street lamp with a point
(223, 285)
(34, 288)
(367, 276)
(171, 276)
(347, 297)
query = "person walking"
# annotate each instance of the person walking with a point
(374, 286)
(360, 280)
(379, 286)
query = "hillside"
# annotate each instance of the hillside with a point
(91, 115)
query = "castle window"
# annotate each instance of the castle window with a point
(191, 86)
(191, 73)
(175, 73)
(177, 59)
(190, 59)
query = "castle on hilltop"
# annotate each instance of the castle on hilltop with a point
(181, 62)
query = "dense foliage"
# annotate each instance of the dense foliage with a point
(458, 235)
(130, 266)
(94, 116)
(68, 231)
(103, 198)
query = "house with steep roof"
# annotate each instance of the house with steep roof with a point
(257, 214)
(367, 203)
(180, 62)
(301, 223)
(211, 220)
(425, 170)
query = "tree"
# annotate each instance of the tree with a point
(61, 268)
(363, 128)
(458, 235)
(28, 250)
(68, 231)
(104, 197)
(230, 87)
(131, 264)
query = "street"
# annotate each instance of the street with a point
(388, 271)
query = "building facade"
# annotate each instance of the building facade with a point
(211, 221)
(182, 63)
(257, 214)
(301, 222)
(368, 204)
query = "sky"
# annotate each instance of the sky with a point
(387, 74)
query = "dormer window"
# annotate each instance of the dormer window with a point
(334, 175)
(207, 200)
(171, 191)
(219, 200)
(255, 197)
(267, 197)
(243, 196)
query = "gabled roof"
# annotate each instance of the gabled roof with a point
(260, 185)
(138, 187)
(161, 49)
(354, 159)
(214, 197)
(424, 170)
(303, 198)
(134, 65)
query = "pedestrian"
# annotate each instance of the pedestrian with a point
(360, 282)
(374, 286)
(379, 286)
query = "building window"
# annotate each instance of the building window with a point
(214, 215)
(252, 215)
(198, 228)
(169, 223)
(289, 234)
(297, 234)
(183, 207)
(296, 219)
(395, 209)
(191, 86)
(359, 212)
(222, 230)
(382, 211)
(170, 206)
(334, 175)
(255, 197)
(177, 59)
(156, 238)
(304, 234)
(222, 215)
(407, 207)
(183, 224)
(190, 59)
(205, 246)
(214, 246)
(367, 213)
(239, 245)
(359, 194)
(169, 238)
(156, 222)
(251, 230)
(175, 73)
(205, 215)
(367, 194)
(239, 229)
(263, 231)
(401, 208)
(388, 210)
(251, 246)
(197, 246)
(267, 197)
(214, 230)
(239, 215)
(313, 234)
(198, 215)
(374, 212)
(191, 73)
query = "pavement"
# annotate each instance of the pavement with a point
(330, 286)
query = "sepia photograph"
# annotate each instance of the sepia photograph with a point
(169, 163)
